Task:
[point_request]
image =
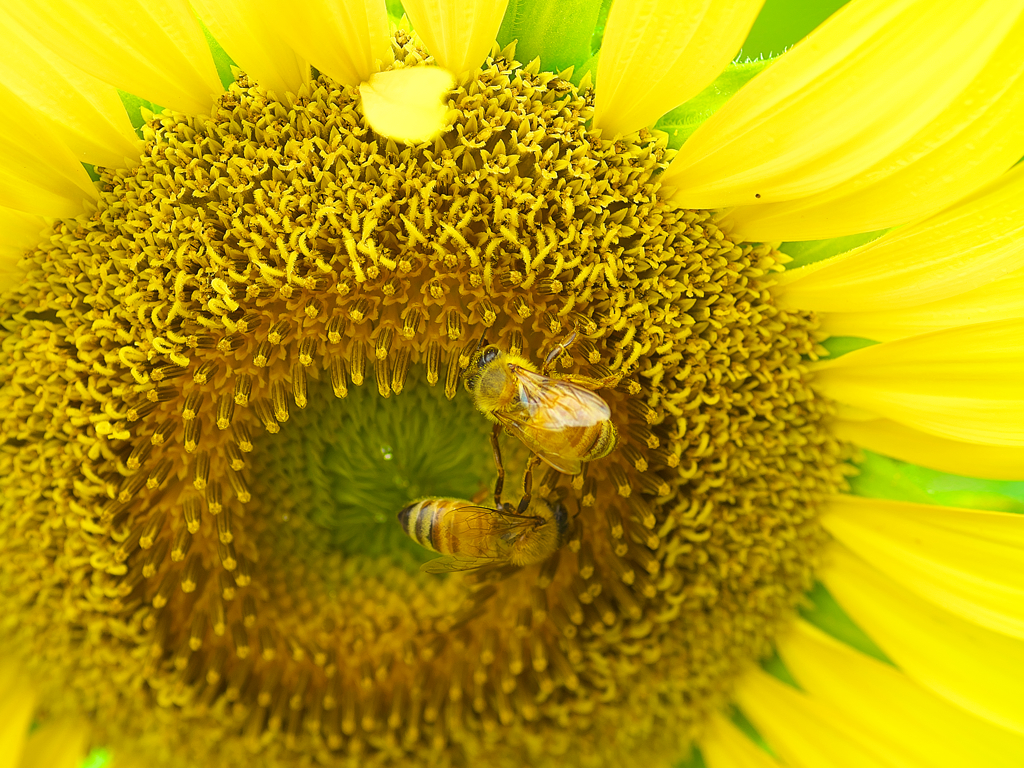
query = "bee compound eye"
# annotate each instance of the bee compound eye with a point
(488, 355)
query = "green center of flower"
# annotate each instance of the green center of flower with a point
(348, 466)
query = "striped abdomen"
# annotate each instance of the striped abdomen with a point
(563, 423)
(453, 527)
(598, 440)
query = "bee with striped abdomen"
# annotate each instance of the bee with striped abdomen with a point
(470, 536)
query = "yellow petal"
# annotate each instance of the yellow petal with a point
(1001, 299)
(60, 744)
(17, 702)
(966, 246)
(993, 462)
(969, 562)
(656, 54)
(806, 733)
(253, 41)
(407, 104)
(348, 41)
(971, 143)
(38, 173)
(150, 48)
(725, 746)
(975, 668)
(962, 383)
(886, 706)
(19, 231)
(459, 35)
(897, 96)
(87, 113)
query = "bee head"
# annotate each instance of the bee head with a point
(478, 363)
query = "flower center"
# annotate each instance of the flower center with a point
(339, 471)
(185, 491)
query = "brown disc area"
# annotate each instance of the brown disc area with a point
(247, 277)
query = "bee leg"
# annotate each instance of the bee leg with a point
(560, 349)
(499, 484)
(524, 503)
(588, 382)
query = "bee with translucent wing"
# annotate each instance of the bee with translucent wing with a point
(559, 418)
(469, 536)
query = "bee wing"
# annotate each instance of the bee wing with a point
(564, 464)
(493, 523)
(555, 404)
(452, 564)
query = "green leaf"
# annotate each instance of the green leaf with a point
(810, 251)
(395, 8)
(824, 613)
(221, 60)
(775, 667)
(694, 760)
(602, 21)
(682, 121)
(98, 758)
(134, 105)
(740, 721)
(558, 31)
(883, 478)
(782, 23)
(838, 346)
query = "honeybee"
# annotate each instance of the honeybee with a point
(470, 536)
(560, 419)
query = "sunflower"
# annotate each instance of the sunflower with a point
(236, 324)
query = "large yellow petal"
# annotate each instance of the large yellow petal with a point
(917, 100)
(656, 54)
(966, 246)
(993, 462)
(459, 35)
(348, 41)
(975, 668)
(920, 728)
(407, 104)
(19, 231)
(725, 746)
(962, 383)
(17, 702)
(150, 48)
(87, 113)
(38, 173)
(855, 89)
(967, 561)
(59, 744)
(1001, 299)
(805, 733)
(254, 42)
(971, 143)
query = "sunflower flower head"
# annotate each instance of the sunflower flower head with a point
(225, 374)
